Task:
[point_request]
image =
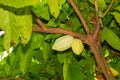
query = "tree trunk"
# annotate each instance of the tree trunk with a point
(95, 48)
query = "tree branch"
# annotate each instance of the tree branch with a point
(96, 47)
(39, 21)
(43, 28)
(96, 50)
(105, 13)
(61, 31)
(97, 22)
(83, 21)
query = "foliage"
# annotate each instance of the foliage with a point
(33, 58)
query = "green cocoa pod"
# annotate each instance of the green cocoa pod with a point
(62, 43)
(77, 46)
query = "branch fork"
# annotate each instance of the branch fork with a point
(89, 39)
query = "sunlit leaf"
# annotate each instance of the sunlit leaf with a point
(15, 25)
(116, 16)
(18, 3)
(24, 24)
(71, 71)
(25, 58)
(42, 11)
(54, 8)
(115, 72)
(7, 23)
(111, 38)
(117, 8)
(46, 50)
(38, 40)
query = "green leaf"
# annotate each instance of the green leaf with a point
(61, 57)
(54, 8)
(38, 56)
(71, 71)
(1, 50)
(87, 66)
(12, 61)
(1, 41)
(25, 58)
(18, 3)
(42, 12)
(7, 23)
(43, 78)
(24, 24)
(61, 2)
(38, 40)
(116, 16)
(46, 50)
(2, 73)
(52, 23)
(103, 35)
(63, 16)
(107, 19)
(3, 61)
(101, 3)
(111, 38)
(15, 56)
(76, 23)
(117, 8)
(50, 70)
(16, 23)
(36, 68)
(7, 69)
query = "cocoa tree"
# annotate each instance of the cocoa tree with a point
(30, 51)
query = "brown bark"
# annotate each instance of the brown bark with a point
(95, 49)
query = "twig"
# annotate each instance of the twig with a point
(105, 13)
(83, 21)
(39, 21)
(97, 22)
